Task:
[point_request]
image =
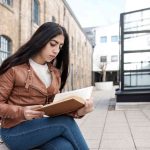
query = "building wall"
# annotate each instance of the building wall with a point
(17, 24)
(108, 48)
(9, 23)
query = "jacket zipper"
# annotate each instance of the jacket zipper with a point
(29, 84)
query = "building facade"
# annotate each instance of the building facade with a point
(106, 52)
(20, 19)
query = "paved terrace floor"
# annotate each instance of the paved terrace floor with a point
(109, 129)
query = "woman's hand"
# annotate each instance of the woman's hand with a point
(30, 112)
(86, 109)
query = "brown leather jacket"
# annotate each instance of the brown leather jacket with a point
(19, 87)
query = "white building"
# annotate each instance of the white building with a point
(107, 51)
(107, 43)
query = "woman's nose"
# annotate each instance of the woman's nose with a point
(56, 49)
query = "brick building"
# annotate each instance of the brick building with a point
(19, 20)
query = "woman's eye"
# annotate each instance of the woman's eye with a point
(52, 44)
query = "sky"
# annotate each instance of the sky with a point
(91, 13)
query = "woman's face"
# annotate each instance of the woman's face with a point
(51, 50)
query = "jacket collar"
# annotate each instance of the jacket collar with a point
(34, 81)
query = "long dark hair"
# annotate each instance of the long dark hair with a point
(40, 38)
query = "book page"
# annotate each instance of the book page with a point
(84, 93)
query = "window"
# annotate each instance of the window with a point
(53, 19)
(64, 11)
(78, 48)
(114, 38)
(7, 2)
(103, 39)
(36, 12)
(114, 58)
(72, 43)
(103, 59)
(64, 15)
(5, 47)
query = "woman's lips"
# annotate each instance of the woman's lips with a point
(51, 57)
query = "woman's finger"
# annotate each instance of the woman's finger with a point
(34, 107)
(89, 106)
(29, 114)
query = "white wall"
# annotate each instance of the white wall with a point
(106, 49)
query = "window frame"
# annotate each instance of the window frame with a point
(114, 60)
(5, 47)
(36, 12)
(114, 38)
(103, 59)
(103, 39)
(5, 2)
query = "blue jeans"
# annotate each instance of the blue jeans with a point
(50, 133)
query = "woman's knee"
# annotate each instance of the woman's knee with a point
(59, 143)
(67, 120)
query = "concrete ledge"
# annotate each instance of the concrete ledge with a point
(3, 146)
(108, 85)
(132, 96)
(132, 106)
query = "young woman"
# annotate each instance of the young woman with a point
(29, 79)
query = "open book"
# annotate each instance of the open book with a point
(67, 102)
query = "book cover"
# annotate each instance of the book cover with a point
(67, 102)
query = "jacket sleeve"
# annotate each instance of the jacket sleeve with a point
(6, 86)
